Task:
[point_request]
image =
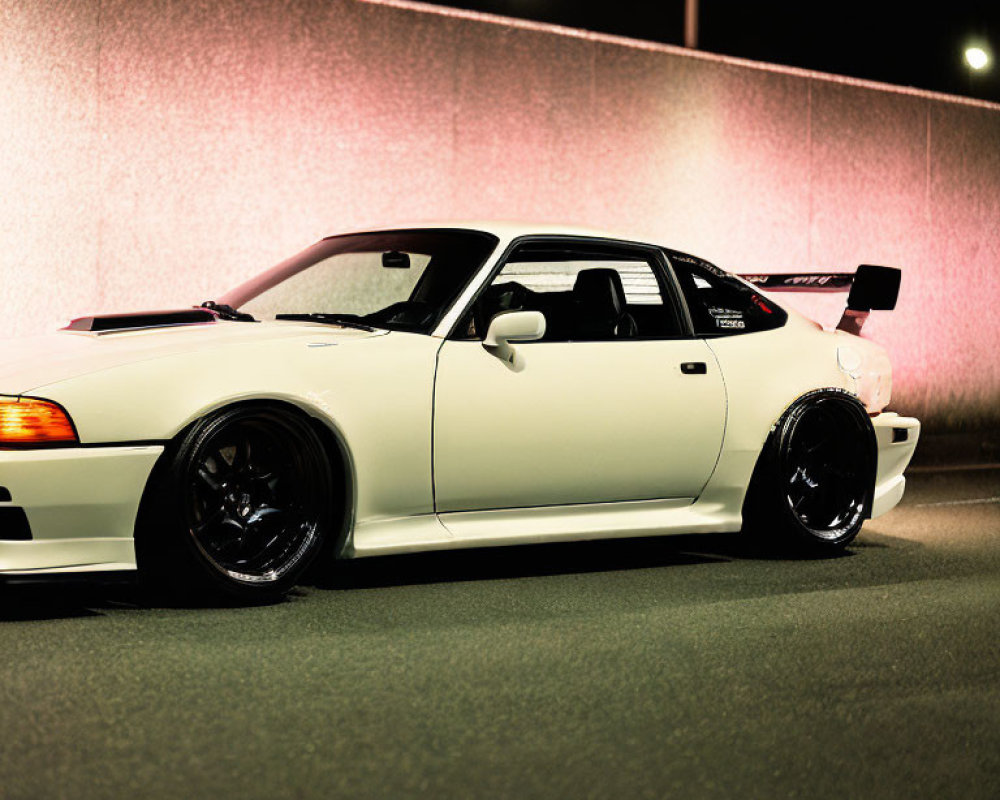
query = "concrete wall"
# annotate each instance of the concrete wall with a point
(156, 153)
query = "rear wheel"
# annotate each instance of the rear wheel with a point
(241, 506)
(813, 483)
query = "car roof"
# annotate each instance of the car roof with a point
(507, 230)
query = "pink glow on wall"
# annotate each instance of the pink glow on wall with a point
(157, 154)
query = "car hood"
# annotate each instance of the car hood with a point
(31, 362)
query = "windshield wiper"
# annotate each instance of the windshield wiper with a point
(227, 312)
(327, 319)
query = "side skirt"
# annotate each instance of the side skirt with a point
(546, 524)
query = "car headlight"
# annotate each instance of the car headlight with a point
(32, 421)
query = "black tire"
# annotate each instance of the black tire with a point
(813, 485)
(239, 507)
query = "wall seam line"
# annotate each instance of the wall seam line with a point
(927, 169)
(809, 171)
(98, 276)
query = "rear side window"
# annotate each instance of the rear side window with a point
(720, 304)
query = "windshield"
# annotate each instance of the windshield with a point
(398, 280)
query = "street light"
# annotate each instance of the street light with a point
(977, 58)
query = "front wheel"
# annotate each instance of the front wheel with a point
(813, 483)
(241, 506)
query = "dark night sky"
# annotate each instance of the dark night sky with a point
(896, 42)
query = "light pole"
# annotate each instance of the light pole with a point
(690, 24)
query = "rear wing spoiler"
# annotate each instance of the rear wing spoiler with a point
(871, 288)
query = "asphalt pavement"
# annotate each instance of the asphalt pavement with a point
(690, 666)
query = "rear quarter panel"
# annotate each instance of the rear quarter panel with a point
(765, 373)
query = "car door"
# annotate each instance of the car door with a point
(617, 402)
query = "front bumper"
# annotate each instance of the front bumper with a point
(896, 438)
(80, 504)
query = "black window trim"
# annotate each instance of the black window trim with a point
(656, 256)
(679, 298)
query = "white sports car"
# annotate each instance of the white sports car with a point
(438, 387)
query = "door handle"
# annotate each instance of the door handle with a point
(694, 368)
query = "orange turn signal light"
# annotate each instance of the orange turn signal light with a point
(27, 420)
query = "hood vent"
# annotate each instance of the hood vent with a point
(110, 323)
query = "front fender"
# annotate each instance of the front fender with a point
(375, 393)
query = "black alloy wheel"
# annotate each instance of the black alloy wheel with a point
(814, 483)
(825, 468)
(246, 504)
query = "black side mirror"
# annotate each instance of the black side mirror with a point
(874, 288)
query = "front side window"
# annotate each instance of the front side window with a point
(398, 280)
(721, 304)
(586, 293)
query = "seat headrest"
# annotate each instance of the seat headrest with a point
(600, 287)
